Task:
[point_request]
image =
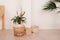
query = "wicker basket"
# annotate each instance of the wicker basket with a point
(19, 30)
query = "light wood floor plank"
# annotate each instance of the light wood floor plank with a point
(42, 35)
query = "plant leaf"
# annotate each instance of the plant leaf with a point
(18, 19)
(57, 0)
(50, 6)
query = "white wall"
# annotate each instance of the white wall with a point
(11, 8)
(26, 4)
(34, 13)
(44, 19)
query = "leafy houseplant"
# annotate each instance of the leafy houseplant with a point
(50, 6)
(19, 18)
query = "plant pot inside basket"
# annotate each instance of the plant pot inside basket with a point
(19, 30)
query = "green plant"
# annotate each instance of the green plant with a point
(57, 0)
(19, 19)
(50, 6)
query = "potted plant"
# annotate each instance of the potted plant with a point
(19, 28)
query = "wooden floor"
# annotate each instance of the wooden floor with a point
(42, 35)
